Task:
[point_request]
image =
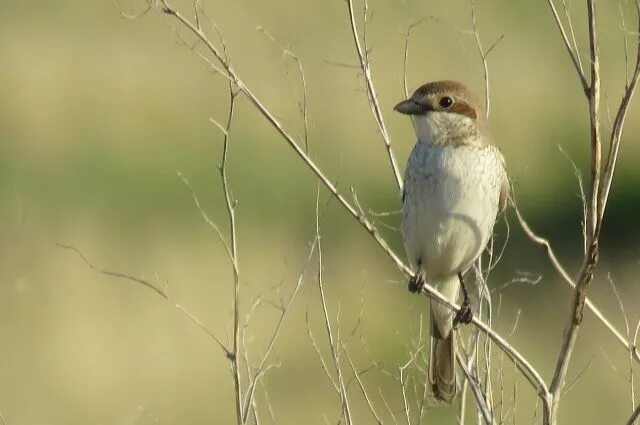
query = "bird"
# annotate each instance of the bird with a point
(455, 185)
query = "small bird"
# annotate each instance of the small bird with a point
(454, 186)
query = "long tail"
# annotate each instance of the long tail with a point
(442, 364)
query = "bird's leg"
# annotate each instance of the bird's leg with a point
(464, 315)
(417, 282)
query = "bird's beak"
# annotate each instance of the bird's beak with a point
(410, 107)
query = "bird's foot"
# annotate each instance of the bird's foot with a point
(464, 315)
(416, 283)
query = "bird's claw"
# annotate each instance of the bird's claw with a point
(464, 315)
(416, 283)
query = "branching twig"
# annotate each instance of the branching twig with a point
(618, 125)
(567, 44)
(544, 243)
(230, 206)
(363, 57)
(120, 275)
(162, 293)
(333, 341)
(285, 308)
(478, 394)
(483, 57)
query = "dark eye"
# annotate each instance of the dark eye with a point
(445, 101)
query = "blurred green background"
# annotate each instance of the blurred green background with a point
(97, 115)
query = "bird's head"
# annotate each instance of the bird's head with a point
(444, 112)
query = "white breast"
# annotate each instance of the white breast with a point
(450, 205)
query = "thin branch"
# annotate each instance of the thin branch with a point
(618, 124)
(230, 207)
(362, 388)
(333, 340)
(206, 217)
(120, 275)
(206, 329)
(567, 44)
(285, 309)
(403, 383)
(386, 404)
(406, 55)
(594, 219)
(302, 103)
(628, 331)
(567, 12)
(371, 92)
(579, 376)
(228, 353)
(325, 368)
(583, 197)
(634, 416)
(481, 402)
(485, 69)
(544, 243)
(132, 16)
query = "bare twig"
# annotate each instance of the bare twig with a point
(634, 416)
(365, 394)
(478, 394)
(593, 223)
(262, 367)
(406, 55)
(544, 243)
(206, 329)
(333, 341)
(567, 44)
(302, 103)
(363, 57)
(162, 293)
(483, 57)
(618, 125)
(230, 206)
(120, 275)
(567, 12)
(132, 16)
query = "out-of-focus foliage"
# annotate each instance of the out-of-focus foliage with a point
(97, 114)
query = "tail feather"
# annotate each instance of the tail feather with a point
(442, 366)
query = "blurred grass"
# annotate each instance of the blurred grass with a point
(99, 113)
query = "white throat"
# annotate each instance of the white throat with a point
(440, 128)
